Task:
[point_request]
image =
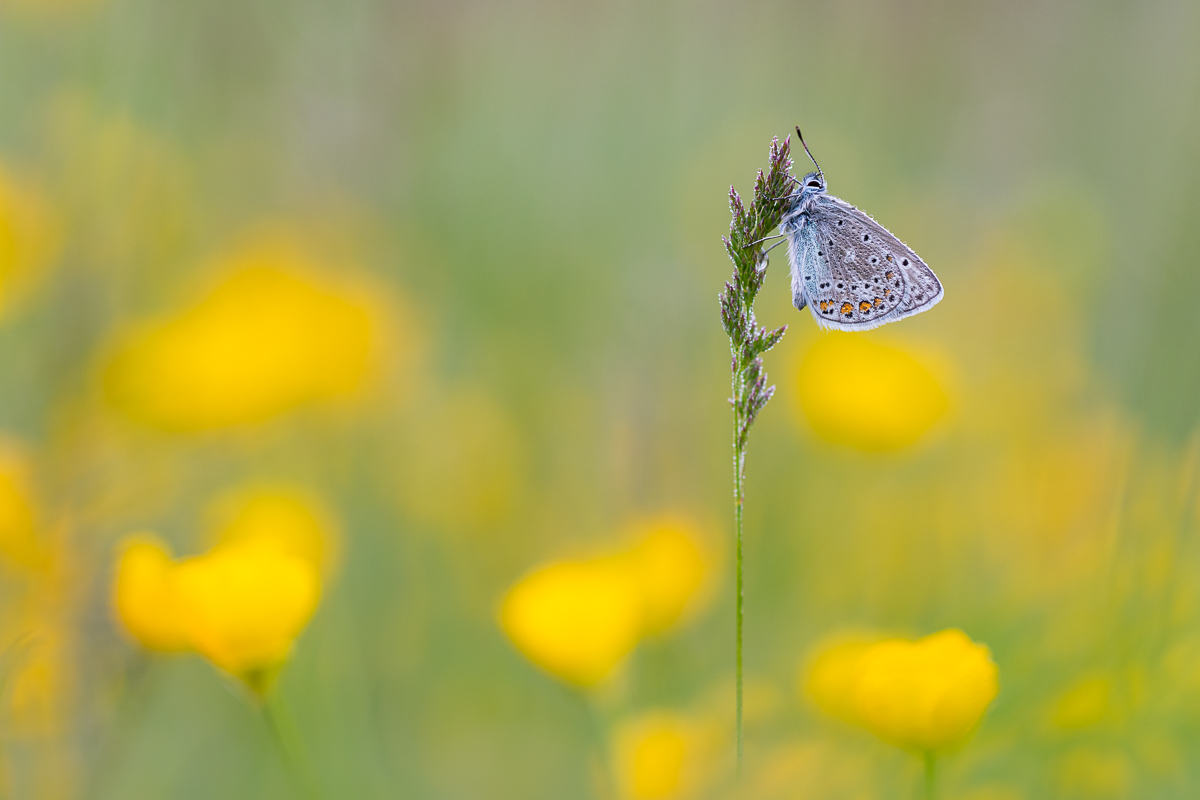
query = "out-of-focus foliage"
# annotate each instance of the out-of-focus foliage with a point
(29, 236)
(369, 310)
(460, 462)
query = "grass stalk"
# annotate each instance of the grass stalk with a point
(747, 343)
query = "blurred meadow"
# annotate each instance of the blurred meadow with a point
(363, 421)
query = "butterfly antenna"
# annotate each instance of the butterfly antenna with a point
(800, 136)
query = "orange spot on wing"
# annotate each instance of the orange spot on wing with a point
(847, 308)
(864, 306)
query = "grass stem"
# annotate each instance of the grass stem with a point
(739, 476)
(747, 343)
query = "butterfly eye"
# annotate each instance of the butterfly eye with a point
(814, 184)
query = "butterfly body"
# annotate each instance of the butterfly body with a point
(850, 271)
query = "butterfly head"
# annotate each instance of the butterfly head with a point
(813, 183)
(803, 193)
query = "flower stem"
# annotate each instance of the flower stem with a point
(287, 740)
(930, 776)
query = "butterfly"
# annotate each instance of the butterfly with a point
(850, 271)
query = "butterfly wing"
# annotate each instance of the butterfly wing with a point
(854, 273)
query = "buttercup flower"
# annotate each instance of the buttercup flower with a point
(579, 619)
(19, 543)
(265, 341)
(669, 566)
(284, 517)
(575, 619)
(857, 392)
(832, 679)
(245, 603)
(145, 597)
(925, 695)
(241, 605)
(658, 756)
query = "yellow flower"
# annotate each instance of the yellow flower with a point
(241, 605)
(264, 342)
(145, 598)
(832, 678)
(18, 512)
(669, 566)
(244, 604)
(857, 392)
(659, 756)
(575, 619)
(281, 516)
(29, 236)
(579, 619)
(924, 695)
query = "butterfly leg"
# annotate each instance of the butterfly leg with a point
(765, 238)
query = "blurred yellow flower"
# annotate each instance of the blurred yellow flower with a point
(265, 341)
(241, 605)
(245, 603)
(282, 516)
(658, 756)
(145, 596)
(575, 619)
(924, 695)
(19, 542)
(669, 566)
(857, 392)
(29, 236)
(833, 676)
(579, 619)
